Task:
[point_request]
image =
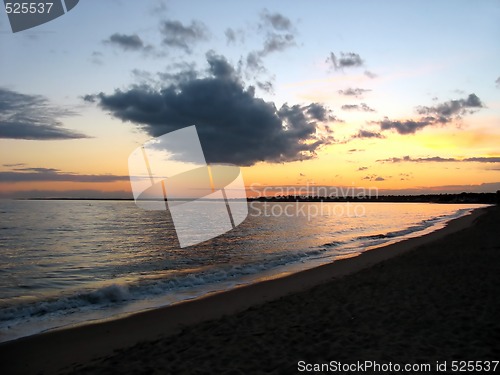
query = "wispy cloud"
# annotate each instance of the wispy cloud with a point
(403, 126)
(405, 176)
(276, 20)
(374, 177)
(279, 35)
(14, 165)
(357, 107)
(345, 60)
(488, 187)
(25, 116)
(357, 92)
(362, 133)
(131, 42)
(234, 36)
(451, 109)
(439, 159)
(96, 58)
(440, 114)
(67, 194)
(54, 175)
(177, 35)
(370, 74)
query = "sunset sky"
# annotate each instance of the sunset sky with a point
(401, 96)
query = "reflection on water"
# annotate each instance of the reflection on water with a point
(60, 259)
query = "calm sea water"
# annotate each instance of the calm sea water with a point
(68, 262)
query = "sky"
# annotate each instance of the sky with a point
(403, 97)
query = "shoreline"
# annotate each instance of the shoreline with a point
(80, 344)
(443, 198)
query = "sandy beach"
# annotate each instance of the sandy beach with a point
(427, 299)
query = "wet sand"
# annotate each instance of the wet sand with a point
(427, 299)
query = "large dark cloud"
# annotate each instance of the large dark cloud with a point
(234, 125)
(55, 175)
(439, 159)
(498, 82)
(127, 42)
(32, 117)
(174, 73)
(177, 35)
(346, 60)
(439, 114)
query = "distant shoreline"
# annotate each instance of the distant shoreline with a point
(465, 198)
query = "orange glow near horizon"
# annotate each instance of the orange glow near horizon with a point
(349, 162)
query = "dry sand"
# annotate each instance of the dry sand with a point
(438, 302)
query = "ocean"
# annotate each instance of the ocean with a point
(66, 263)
